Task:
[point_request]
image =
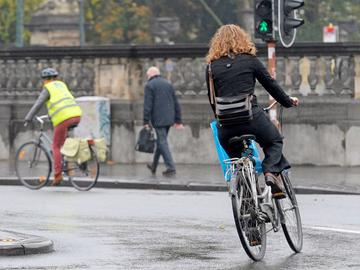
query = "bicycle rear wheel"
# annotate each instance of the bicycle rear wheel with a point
(32, 165)
(290, 216)
(84, 176)
(251, 231)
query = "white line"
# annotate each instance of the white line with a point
(332, 229)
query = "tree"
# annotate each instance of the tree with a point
(117, 21)
(318, 14)
(8, 19)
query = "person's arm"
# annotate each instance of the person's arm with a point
(208, 87)
(148, 104)
(43, 97)
(271, 85)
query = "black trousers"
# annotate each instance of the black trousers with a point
(268, 137)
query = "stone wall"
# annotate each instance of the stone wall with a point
(315, 133)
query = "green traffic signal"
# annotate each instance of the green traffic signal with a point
(263, 19)
(263, 27)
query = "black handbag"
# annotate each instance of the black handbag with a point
(146, 141)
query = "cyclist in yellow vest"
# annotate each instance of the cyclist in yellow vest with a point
(63, 111)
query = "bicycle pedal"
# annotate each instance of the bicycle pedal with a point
(279, 195)
(255, 243)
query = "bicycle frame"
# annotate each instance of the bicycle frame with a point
(43, 138)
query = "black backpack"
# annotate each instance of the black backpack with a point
(146, 141)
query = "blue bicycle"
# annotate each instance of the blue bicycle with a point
(255, 211)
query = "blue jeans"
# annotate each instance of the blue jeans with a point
(162, 148)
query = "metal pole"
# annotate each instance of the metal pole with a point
(19, 22)
(272, 70)
(212, 13)
(82, 23)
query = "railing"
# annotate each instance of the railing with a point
(323, 70)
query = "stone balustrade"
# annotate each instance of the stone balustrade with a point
(118, 72)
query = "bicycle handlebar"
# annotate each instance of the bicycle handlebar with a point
(41, 118)
(267, 109)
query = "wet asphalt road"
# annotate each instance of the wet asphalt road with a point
(145, 229)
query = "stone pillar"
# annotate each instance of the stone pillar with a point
(357, 77)
(56, 23)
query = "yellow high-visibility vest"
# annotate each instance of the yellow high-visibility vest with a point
(61, 105)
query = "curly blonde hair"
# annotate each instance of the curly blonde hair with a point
(230, 39)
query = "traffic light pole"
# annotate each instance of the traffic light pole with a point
(271, 44)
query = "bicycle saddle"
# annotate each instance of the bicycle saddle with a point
(72, 127)
(238, 140)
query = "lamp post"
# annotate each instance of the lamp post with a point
(19, 22)
(82, 23)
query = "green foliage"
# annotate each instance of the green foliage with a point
(196, 24)
(131, 21)
(320, 13)
(117, 21)
(8, 19)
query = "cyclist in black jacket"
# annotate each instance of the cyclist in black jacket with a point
(234, 70)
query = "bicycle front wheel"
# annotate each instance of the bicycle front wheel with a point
(290, 216)
(32, 165)
(84, 176)
(251, 231)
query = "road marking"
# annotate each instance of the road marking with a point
(332, 229)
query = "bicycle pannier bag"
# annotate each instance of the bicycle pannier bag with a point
(146, 141)
(76, 150)
(100, 149)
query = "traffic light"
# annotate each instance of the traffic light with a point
(288, 22)
(263, 19)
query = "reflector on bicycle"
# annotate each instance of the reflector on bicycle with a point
(42, 178)
(91, 142)
(22, 155)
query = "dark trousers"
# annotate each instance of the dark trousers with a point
(268, 137)
(162, 148)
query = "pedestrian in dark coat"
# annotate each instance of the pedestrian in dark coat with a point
(234, 70)
(161, 111)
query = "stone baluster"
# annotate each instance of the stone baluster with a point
(346, 75)
(88, 77)
(21, 77)
(330, 73)
(74, 73)
(295, 76)
(11, 78)
(313, 77)
(280, 71)
(33, 78)
(177, 78)
(197, 69)
(42, 63)
(3, 79)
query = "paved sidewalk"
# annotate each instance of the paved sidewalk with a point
(306, 179)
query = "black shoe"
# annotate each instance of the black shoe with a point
(276, 185)
(169, 173)
(151, 168)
